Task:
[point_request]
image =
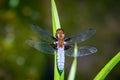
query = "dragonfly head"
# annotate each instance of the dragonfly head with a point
(60, 33)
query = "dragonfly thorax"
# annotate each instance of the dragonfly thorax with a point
(60, 36)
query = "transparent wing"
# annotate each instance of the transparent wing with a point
(82, 51)
(41, 33)
(81, 36)
(41, 46)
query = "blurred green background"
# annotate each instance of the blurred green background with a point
(19, 61)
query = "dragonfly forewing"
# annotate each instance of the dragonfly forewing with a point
(42, 34)
(82, 51)
(41, 46)
(81, 36)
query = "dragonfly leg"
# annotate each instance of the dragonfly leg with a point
(68, 39)
(54, 46)
(67, 47)
(55, 39)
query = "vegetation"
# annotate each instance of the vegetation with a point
(18, 61)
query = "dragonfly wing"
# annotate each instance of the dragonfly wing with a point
(82, 51)
(41, 33)
(81, 36)
(41, 46)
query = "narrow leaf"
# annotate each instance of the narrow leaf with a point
(56, 25)
(108, 67)
(74, 65)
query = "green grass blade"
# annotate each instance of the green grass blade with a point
(108, 67)
(55, 18)
(74, 65)
(56, 25)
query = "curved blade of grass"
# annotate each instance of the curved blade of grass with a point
(56, 25)
(74, 65)
(108, 67)
(55, 18)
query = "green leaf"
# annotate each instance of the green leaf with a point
(56, 25)
(55, 18)
(74, 65)
(108, 67)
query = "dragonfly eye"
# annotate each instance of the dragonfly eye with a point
(60, 31)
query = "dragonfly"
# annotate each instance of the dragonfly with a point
(61, 44)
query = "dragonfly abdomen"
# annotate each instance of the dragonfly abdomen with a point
(60, 59)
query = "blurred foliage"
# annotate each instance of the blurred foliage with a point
(18, 61)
